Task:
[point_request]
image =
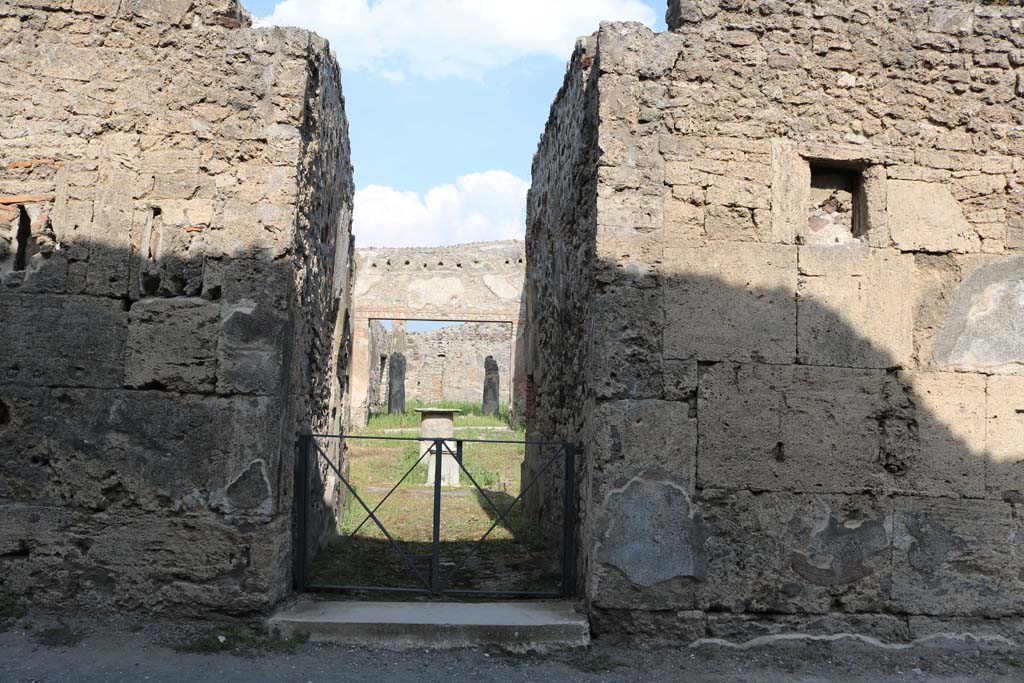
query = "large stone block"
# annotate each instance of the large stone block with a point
(983, 330)
(790, 428)
(1005, 438)
(50, 340)
(159, 451)
(172, 343)
(926, 217)
(956, 558)
(635, 436)
(935, 278)
(731, 301)
(626, 356)
(854, 307)
(184, 564)
(254, 299)
(942, 453)
(650, 545)
(648, 537)
(789, 553)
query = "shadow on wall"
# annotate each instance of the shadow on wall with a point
(148, 415)
(775, 439)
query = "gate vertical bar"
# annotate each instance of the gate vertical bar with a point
(302, 503)
(569, 522)
(435, 560)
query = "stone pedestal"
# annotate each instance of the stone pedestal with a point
(492, 386)
(439, 423)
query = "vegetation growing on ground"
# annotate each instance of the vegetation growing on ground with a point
(243, 641)
(471, 416)
(513, 556)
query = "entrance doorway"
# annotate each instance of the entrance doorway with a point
(409, 531)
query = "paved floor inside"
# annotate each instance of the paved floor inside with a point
(37, 649)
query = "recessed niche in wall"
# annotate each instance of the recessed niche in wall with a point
(836, 211)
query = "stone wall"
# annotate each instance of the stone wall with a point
(796, 367)
(480, 282)
(382, 345)
(175, 262)
(446, 364)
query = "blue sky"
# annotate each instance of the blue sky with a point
(447, 100)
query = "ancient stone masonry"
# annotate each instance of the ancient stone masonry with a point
(776, 261)
(480, 283)
(175, 203)
(446, 364)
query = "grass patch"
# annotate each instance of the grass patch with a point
(513, 557)
(471, 416)
(242, 641)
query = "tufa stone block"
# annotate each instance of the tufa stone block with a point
(53, 340)
(804, 554)
(731, 301)
(956, 558)
(854, 307)
(1005, 438)
(790, 428)
(172, 344)
(926, 217)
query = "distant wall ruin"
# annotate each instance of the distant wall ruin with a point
(175, 202)
(776, 258)
(480, 282)
(446, 364)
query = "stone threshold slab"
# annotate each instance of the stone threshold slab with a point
(516, 626)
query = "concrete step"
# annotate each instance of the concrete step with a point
(515, 626)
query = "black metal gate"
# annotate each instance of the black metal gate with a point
(435, 582)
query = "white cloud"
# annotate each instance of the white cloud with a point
(464, 38)
(478, 207)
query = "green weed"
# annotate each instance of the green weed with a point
(241, 640)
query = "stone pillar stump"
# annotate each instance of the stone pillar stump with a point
(492, 387)
(396, 384)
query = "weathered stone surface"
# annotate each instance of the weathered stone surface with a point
(945, 453)
(786, 428)
(50, 340)
(672, 190)
(396, 384)
(730, 301)
(742, 628)
(446, 364)
(492, 387)
(651, 550)
(956, 558)
(173, 312)
(1004, 438)
(653, 538)
(172, 344)
(926, 217)
(795, 553)
(652, 628)
(985, 329)
(847, 316)
(625, 358)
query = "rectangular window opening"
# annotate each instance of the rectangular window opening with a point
(837, 211)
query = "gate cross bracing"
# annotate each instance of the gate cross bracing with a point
(435, 582)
